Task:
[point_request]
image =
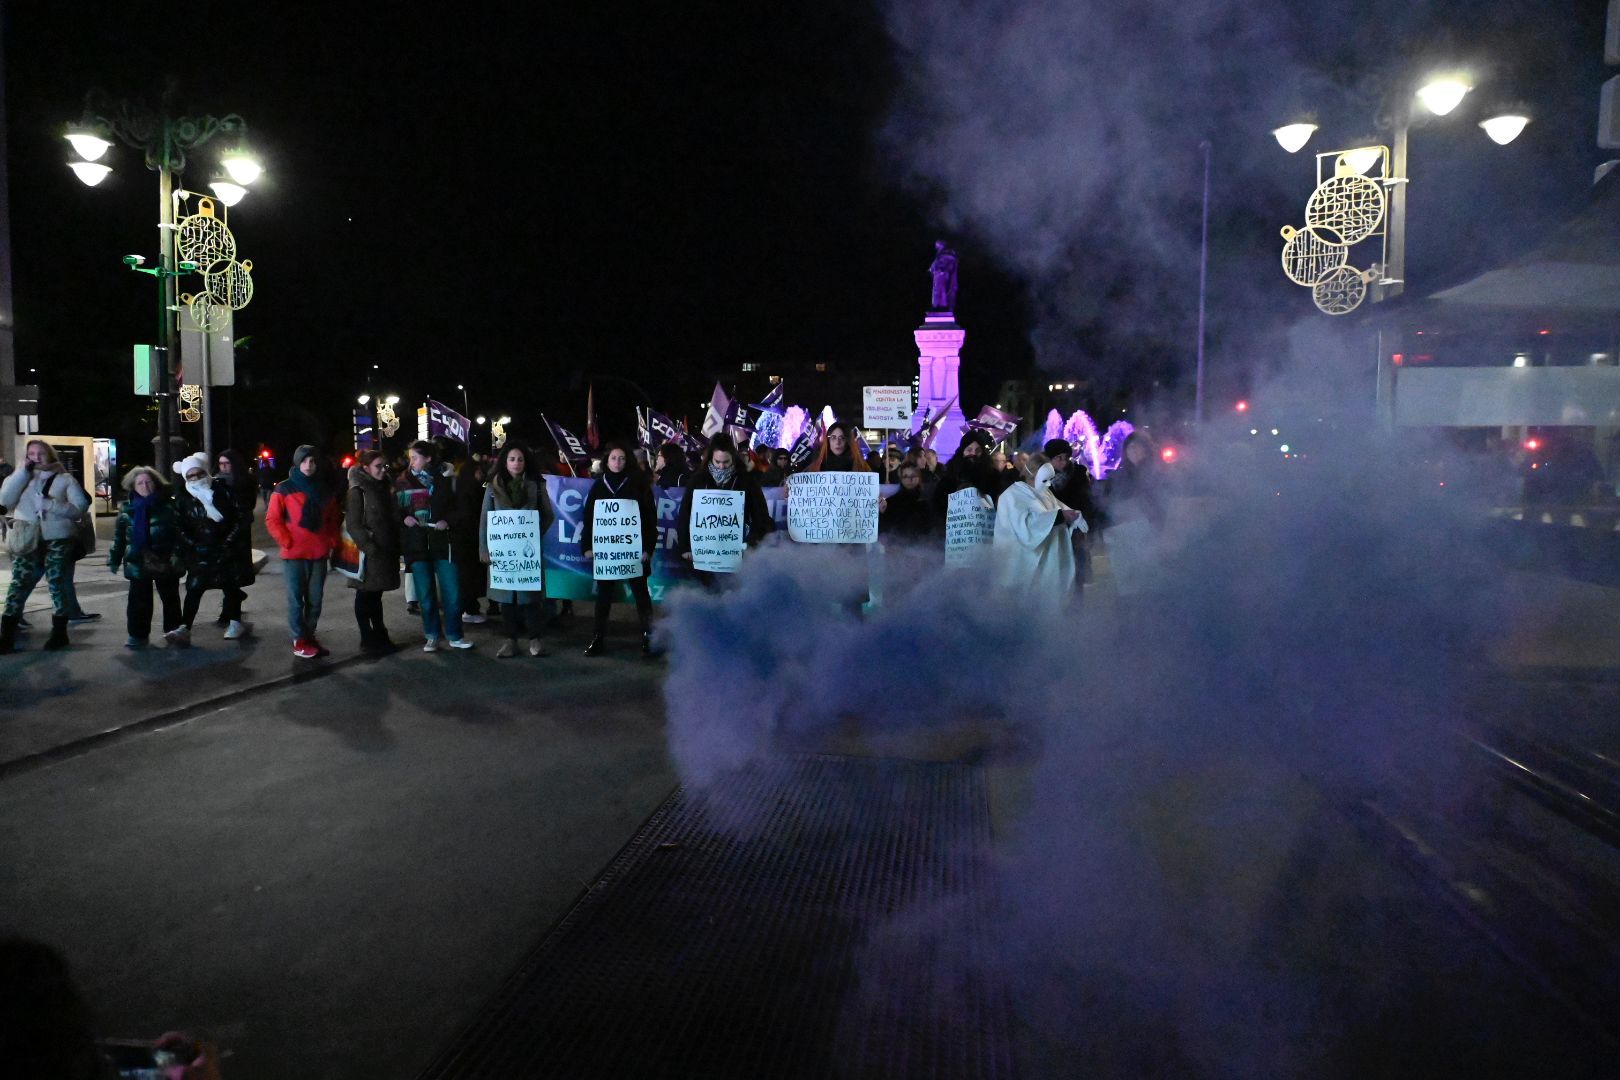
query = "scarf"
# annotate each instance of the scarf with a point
(515, 488)
(838, 462)
(203, 492)
(722, 476)
(140, 515)
(607, 478)
(315, 499)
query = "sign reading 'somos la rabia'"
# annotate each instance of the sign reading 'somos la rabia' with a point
(513, 539)
(616, 540)
(716, 531)
(833, 507)
(886, 407)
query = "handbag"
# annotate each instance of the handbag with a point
(22, 538)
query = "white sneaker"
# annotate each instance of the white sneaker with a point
(460, 643)
(474, 618)
(237, 629)
(432, 645)
(180, 636)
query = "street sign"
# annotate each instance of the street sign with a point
(147, 378)
(214, 350)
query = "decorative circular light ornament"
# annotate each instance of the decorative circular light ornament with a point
(1351, 206)
(1309, 253)
(203, 238)
(191, 402)
(207, 311)
(231, 283)
(1341, 291)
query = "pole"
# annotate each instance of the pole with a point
(169, 290)
(207, 400)
(1395, 272)
(1203, 283)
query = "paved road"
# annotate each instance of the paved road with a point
(332, 875)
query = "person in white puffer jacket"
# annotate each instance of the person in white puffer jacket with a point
(43, 494)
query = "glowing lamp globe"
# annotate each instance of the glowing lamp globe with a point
(1362, 158)
(1440, 96)
(241, 168)
(1505, 128)
(1293, 137)
(89, 172)
(89, 147)
(230, 194)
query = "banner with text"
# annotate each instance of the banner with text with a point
(716, 531)
(970, 525)
(887, 407)
(514, 550)
(833, 507)
(616, 540)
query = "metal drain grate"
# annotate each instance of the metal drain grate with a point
(840, 933)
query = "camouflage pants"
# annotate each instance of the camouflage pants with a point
(54, 562)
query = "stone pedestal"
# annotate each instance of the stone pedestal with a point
(939, 355)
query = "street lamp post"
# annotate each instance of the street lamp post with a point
(164, 140)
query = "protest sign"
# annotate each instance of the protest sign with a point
(970, 525)
(513, 538)
(716, 531)
(886, 407)
(833, 508)
(616, 540)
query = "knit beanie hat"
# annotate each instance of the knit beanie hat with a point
(195, 461)
(1054, 447)
(300, 454)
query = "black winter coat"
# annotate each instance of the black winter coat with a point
(908, 515)
(757, 523)
(162, 539)
(211, 551)
(635, 487)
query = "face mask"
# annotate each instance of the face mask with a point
(1043, 478)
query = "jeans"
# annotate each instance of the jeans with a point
(52, 560)
(425, 573)
(306, 582)
(138, 613)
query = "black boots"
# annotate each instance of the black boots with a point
(597, 646)
(8, 634)
(58, 638)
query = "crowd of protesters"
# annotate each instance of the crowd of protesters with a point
(419, 523)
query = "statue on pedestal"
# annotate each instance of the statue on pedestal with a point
(943, 271)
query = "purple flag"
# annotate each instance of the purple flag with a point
(999, 424)
(804, 447)
(714, 420)
(569, 443)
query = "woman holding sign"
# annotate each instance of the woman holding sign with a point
(837, 454)
(618, 535)
(724, 523)
(1032, 536)
(512, 488)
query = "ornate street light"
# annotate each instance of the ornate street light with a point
(164, 140)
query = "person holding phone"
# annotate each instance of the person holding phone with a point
(45, 499)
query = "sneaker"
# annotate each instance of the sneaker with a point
(82, 617)
(222, 621)
(507, 650)
(135, 643)
(536, 648)
(474, 618)
(237, 629)
(320, 650)
(432, 645)
(460, 643)
(304, 650)
(179, 637)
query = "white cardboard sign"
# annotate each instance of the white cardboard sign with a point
(886, 407)
(969, 526)
(716, 531)
(833, 507)
(616, 540)
(513, 538)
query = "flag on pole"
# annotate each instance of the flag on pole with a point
(591, 434)
(804, 447)
(714, 421)
(567, 442)
(773, 400)
(1000, 425)
(643, 432)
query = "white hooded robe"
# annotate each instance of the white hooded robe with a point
(1035, 556)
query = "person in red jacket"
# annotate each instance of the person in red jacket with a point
(304, 517)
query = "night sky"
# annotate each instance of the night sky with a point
(518, 198)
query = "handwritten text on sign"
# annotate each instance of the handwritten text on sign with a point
(716, 531)
(886, 406)
(513, 538)
(969, 526)
(616, 540)
(833, 508)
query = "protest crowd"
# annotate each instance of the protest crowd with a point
(521, 534)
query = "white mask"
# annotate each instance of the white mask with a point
(1043, 477)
